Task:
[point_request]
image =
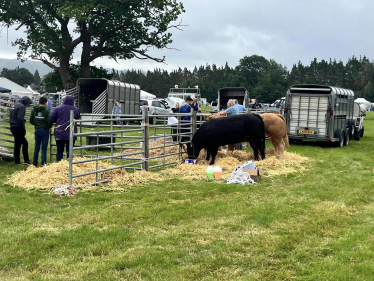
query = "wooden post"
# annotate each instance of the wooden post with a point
(194, 122)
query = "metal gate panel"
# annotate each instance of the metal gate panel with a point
(6, 138)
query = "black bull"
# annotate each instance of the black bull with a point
(230, 130)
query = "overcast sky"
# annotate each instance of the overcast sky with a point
(284, 30)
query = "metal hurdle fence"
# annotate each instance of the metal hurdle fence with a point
(7, 102)
(121, 138)
(6, 138)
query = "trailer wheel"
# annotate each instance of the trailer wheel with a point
(340, 135)
(347, 137)
(351, 127)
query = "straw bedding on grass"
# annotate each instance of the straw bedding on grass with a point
(228, 161)
(56, 174)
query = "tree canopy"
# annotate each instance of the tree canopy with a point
(120, 29)
(37, 79)
(21, 76)
(265, 80)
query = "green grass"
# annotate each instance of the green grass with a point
(312, 225)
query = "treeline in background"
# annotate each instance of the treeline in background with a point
(265, 80)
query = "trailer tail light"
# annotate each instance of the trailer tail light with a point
(285, 110)
(331, 112)
(329, 139)
(306, 128)
(357, 122)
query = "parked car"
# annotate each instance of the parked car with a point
(275, 104)
(358, 122)
(156, 107)
(171, 102)
(214, 106)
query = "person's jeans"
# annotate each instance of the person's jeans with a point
(41, 138)
(61, 144)
(19, 134)
(118, 122)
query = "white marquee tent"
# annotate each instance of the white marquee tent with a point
(364, 104)
(146, 95)
(15, 88)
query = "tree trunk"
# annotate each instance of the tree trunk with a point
(86, 51)
(85, 69)
(64, 72)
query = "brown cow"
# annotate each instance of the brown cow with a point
(276, 130)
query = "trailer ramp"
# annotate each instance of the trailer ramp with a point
(309, 111)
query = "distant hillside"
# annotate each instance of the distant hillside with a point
(30, 65)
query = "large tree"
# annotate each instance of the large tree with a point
(119, 29)
(21, 76)
(52, 81)
(37, 79)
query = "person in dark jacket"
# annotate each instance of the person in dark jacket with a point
(61, 116)
(18, 130)
(40, 119)
(256, 105)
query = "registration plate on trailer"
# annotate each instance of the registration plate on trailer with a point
(306, 132)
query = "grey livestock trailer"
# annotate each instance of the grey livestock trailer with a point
(239, 93)
(97, 96)
(318, 112)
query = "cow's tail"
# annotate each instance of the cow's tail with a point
(287, 143)
(263, 125)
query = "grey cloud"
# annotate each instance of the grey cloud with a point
(284, 30)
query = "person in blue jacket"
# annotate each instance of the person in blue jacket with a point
(117, 111)
(50, 105)
(186, 108)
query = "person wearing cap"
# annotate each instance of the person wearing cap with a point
(18, 130)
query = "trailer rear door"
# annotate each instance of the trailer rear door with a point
(308, 115)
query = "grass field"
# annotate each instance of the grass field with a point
(312, 225)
